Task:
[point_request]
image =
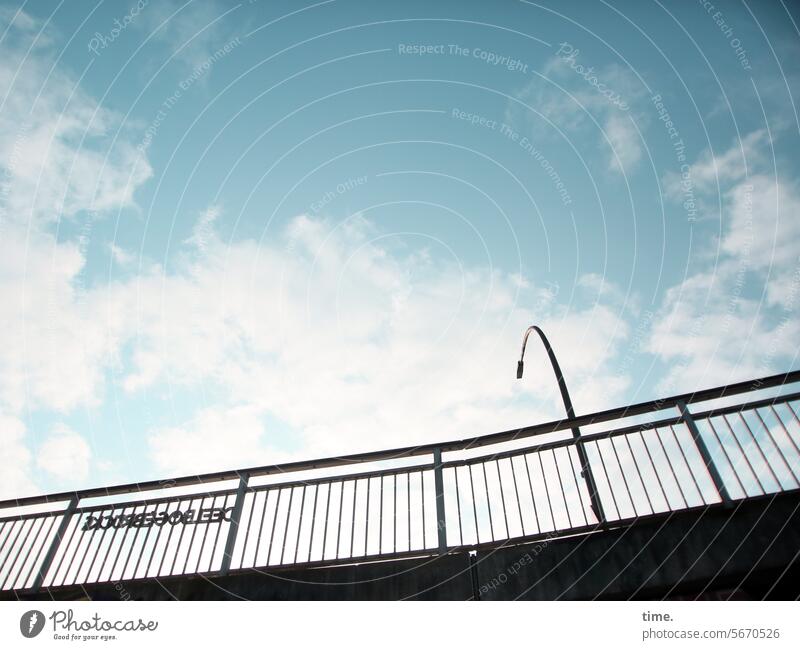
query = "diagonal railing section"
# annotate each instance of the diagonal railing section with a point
(713, 447)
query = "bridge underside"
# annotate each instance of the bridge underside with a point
(749, 551)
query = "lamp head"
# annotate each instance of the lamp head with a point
(519, 369)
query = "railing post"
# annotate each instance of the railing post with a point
(233, 529)
(51, 552)
(586, 473)
(441, 527)
(711, 466)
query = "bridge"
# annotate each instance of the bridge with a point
(691, 496)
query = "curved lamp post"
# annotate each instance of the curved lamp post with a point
(586, 471)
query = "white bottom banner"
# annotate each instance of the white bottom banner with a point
(399, 625)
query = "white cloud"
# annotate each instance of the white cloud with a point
(626, 147)
(356, 346)
(572, 103)
(15, 479)
(65, 455)
(736, 318)
(57, 159)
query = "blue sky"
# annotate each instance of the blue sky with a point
(238, 233)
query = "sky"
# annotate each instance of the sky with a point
(239, 233)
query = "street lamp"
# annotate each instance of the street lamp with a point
(586, 471)
(562, 385)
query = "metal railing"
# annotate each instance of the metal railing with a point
(515, 486)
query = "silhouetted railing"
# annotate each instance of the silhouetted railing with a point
(739, 441)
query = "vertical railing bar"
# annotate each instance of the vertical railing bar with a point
(274, 525)
(794, 413)
(339, 528)
(744, 455)
(639, 473)
(353, 521)
(705, 454)
(577, 485)
(547, 490)
(458, 509)
(727, 456)
(286, 527)
(119, 551)
(488, 501)
(27, 555)
(203, 542)
(108, 550)
(671, 469)
(22, 523)
(68, 515)
(144, 544)
(366, 520)
(56, 544)
(34, 544)
(155, 547)
(516, 493)
(191, 538)
(561, 485)
(533, 497)
(219, 530)
(688, 467)
(166, 546)
(267, 494)
(785, 429)
(75, 555)
(39, 552)
(9, 523)
(299, 524)
(608, 480)
(624, 480)
(474, 504)
(88, 549)
(408, 504)
(394, 526)
(380, 519)
(775, 444)
(502, 497)
(313, 521)
(422, 491)
(233, 525)
(441, 519)
(97, 552)
(183, 526)
(247, 535)
(655, 471)
(760, 450)
(327, 511)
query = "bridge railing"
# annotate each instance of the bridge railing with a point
(711, 447)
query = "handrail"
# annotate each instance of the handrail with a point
(419, 450)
